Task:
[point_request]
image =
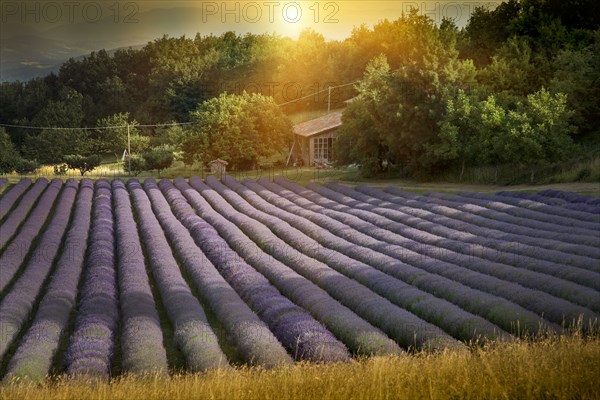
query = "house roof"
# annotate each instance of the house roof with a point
(219, 161)
(319, 125)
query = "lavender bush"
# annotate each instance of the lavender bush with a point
(554, 309)
(14, 254)
(443, 222)
(404, 327)
(578, 250)
(560, 200)
(91, 346)
(18, 302)
(355, 261)
(499, 213)
(297, 330)
(3, 182)
(254, 340)
(541, 212)
(141, 336)
(538, 229)
(9, 198)
(33, 358)
(193, 334)
(16, 217)
(498, 310)
(571, 197)
(457, 251)
(417, 283)
(360, 336)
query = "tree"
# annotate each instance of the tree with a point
(63, 136)
(486, 31)
(111, 135)
(24, 167)
(135, 164)
(240, 129)
(9, 156)
(460, 138)
(398, 112)
(577, 73)
(487, 132)
(82, 163)
(158, 159)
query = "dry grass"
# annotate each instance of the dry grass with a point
(556, 368)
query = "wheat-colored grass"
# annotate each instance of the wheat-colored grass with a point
(555, 368)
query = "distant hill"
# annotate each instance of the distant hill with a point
(27, 52)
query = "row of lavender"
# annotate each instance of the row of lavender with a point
(287, 272)
(558, 198)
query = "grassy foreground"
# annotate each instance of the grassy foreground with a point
(556, 368)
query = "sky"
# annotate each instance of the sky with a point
(37, 36)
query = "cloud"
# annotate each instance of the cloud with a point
(35, 64)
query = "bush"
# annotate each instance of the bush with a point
(24, 167)
(83, 164)
(137, 164)
(8, 164)
(60, 169)
(158, 159)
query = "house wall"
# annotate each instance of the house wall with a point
(311, 144)
(304, 147)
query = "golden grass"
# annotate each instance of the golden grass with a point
(555, 368)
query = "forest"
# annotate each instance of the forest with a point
(517, 86)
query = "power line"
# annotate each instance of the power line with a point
(313, 94)
(55, 128)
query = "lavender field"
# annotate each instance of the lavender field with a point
(100, 278)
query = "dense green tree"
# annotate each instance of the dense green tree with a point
(577, 74)
(62, 118)
(533, 132)
(241, 129)
(486, 31)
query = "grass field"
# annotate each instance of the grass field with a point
(305, 175)
(555, 368)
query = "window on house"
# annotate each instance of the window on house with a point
(323, 149)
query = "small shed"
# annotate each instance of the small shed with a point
(313, 140)
(218, 167)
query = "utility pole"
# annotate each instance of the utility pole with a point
(329, 101)
(129, 149)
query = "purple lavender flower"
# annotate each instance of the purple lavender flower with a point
(404, 327)
(9, 198)
(193, 334)
(555, 309)
(141, 336)
(16, 217)
(91, 346)
(37, 348)
(14, 254)
(18, 302)
(297, 330)
(360, 336)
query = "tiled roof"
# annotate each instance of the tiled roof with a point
(319, 125)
